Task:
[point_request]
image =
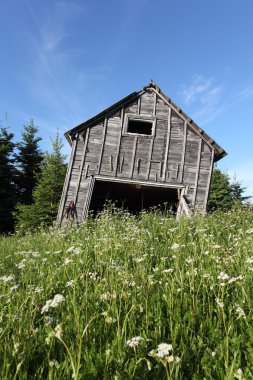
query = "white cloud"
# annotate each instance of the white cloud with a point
(205, 92)
(208, 97)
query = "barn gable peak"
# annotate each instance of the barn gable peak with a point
(151, 86)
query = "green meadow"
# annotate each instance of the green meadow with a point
(124, 297)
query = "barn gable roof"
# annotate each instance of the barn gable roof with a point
(219, 152)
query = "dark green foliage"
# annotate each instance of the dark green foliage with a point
(225, 194)
(7, 181)
(47, 192)
(28, 159)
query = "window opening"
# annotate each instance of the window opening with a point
(140, 127)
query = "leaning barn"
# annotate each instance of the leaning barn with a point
(141, 152)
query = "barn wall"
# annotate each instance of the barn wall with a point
(175, 155)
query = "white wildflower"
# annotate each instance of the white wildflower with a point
(14, 287)
(58, 298)
(135, 341)
(70, 284)
(219, 303)
(176, 246)
(67, 261)
(240, 312)
(249, 231)
(216, 246)
(170, 270)
(223, 276)
(163, 350)
(139, 259)
(7, 278)
(239, 374)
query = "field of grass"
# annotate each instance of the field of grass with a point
(127, 298)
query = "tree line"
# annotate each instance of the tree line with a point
(31, 182)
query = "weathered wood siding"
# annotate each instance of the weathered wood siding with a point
(174, 154)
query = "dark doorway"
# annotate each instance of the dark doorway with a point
(133, 197)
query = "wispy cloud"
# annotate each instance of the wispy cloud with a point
(208, 98)
(59, 77)
(206, 93)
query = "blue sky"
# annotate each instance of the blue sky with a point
(64, 61)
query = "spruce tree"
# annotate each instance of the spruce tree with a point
(7, 181)
(28, 160)
(220, 193)
(47, 192)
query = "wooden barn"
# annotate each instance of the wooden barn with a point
(140, 153)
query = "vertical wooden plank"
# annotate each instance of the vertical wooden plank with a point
(67, 178)
(138, 105)
(103, 144)
(167, 147)
(154, 105)
(88, 198)
(183, 153)
(119, 141)
(197, 173)
(208, 181)
(81, 166)
(133, 156)
(151, 147)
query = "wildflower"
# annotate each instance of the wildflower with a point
(14, 287)
(163, 350)
(139, 259)
(58, 298)
(67, 261)
(176, 246)
(135, 341)
(249, 231)
(70, 284)
(239, 374)
(7, 278)
(223, 276)
(170, 270)
(213, 353)
(240, 312)
(219, 303)
(216, 246)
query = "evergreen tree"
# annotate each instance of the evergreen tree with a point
(237, 192)
(7, 181)
(47, 192)
(225, 194)
(220, 193)
(28, 160)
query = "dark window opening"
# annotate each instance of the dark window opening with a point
(140, 127)
(133, 198)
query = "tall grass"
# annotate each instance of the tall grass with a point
(98, 300)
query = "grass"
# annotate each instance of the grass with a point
(97, 301)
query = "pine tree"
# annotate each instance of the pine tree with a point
(220, 193)
(28, 160)
(238, 192)
(47, 192)
(7, 181)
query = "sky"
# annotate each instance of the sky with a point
(62, 62)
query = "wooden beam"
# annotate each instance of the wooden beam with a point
(81, 166)
(150, 157)
(142, 183)
(67, 178)
(183, 152)
(154, 105)
(119, 141)
(88, 198)
(139, 105)
(103, 144)
(166, 156)
(197, 173)
(133, 156)
(208, 181)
